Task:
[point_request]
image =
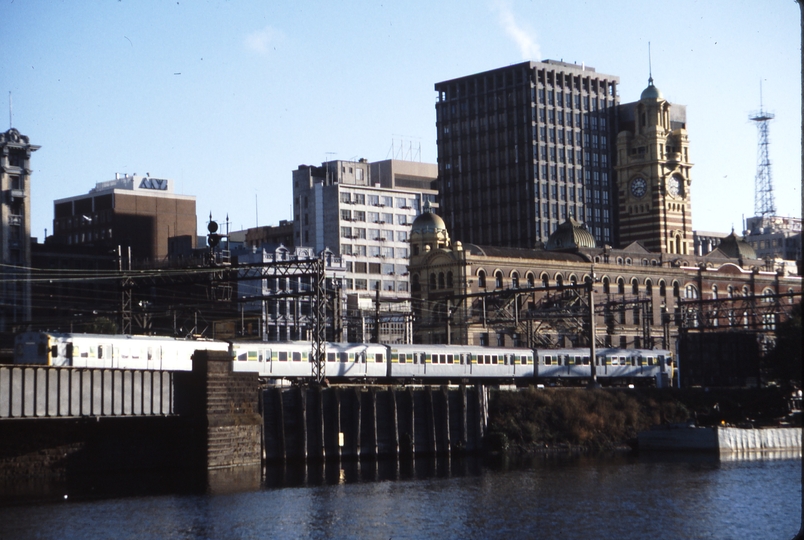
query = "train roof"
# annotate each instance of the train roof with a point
(100, 337)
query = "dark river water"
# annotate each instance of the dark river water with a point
(601, 497)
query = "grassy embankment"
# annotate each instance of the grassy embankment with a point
(538, 419)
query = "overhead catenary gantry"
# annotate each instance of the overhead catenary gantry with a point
(220, 282)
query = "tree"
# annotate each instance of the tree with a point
(101, 325)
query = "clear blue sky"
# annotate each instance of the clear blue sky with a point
(227, 98)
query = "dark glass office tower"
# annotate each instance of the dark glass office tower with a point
(523, 147)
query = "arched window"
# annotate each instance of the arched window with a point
(714, 292)
(746, 292)
(515, 280)
(481, 278)
(690, 292)
(498, 279)
(432, 281)
(676, 289)
(767, 295)
(441, 283)
(559, 280)
(620, 286)
(531, 280)
(573, 279)
(730, 291)
(449, 280)
(606, 285)
(545, 280)
(649, 287)
(415, 285)
(634, 286)
(662, 288)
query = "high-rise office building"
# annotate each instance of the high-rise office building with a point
(363, 212)
(523, 147)
(15, 231)
(140, 212)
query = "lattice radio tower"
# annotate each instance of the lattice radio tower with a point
(764, 204)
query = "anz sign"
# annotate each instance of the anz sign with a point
(157, 184)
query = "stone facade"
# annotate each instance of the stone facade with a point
(481, 295)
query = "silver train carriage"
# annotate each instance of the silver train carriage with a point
(109, 351)
(351, 361)
(621, 365)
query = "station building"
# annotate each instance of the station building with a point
(649, 285)
(503, 296)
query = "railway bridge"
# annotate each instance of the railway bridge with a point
(66, 420)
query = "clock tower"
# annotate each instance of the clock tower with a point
(653, 175)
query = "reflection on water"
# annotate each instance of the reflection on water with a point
(549, 496)
(333, 472)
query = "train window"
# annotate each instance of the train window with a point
(252, 356)
(378, 357)
(633, 360)
(69, 350)
(493, 358)
(523, 360)
(650, 360)
(450, 358)
(330, 357)
(283, 356)
(548, 360)
(577, 360)
(586, 360)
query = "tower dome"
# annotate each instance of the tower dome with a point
(651, 92)
(736, 248)
(428, 231)
(570, 235)
(428, 222)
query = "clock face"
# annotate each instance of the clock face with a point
(674, 186)
(638, 187)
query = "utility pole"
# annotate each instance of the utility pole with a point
(592, 345)
(376, 337)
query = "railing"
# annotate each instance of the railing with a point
(67, 392)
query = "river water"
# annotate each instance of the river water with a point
(677, 496)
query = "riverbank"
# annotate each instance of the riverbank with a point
(547, 419)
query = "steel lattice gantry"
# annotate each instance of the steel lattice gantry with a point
(221, 280)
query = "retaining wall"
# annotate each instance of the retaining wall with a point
(357, 422)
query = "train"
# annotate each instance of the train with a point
(355, 362)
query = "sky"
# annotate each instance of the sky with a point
(227, 98)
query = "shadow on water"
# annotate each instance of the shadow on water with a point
(84, 487)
